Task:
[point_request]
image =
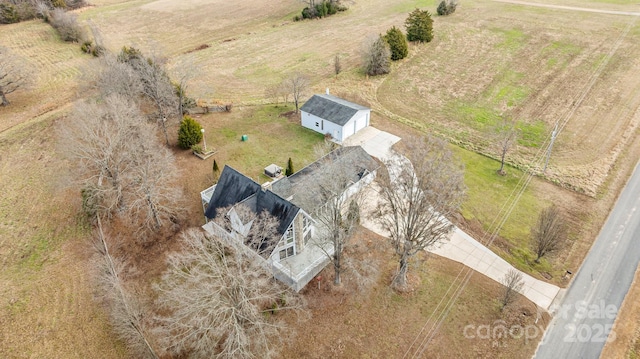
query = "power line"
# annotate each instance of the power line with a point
(504, 216)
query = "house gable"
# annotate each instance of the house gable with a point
(234, 188)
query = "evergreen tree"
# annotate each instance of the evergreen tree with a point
(397, 43)
(419, 26)
(215, 167)
(189, 133)
(289, 171)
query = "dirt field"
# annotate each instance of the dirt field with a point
(488, 60)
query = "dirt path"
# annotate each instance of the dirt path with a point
(571, 8)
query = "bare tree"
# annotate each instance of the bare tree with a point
(297, 84)
(116, 77)
(550, 232)
(98, 138)
(217, 302)
(123, 167)
(323, 148)
(337, 65)
(13, 75)
(258, 230)
(417, 198)
(338, 215)
(66, 23)
(154, 196)
(506, 136)
(513, 284)
(157, 88)
(376, 59)
(185, 72)
(126, 312)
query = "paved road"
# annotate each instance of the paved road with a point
(586, 313)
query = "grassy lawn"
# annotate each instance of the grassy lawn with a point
(271, 139)
(488, 197)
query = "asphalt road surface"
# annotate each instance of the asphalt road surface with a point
(583, 320)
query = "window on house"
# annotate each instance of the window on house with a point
(306, 223)
(289, 236)
(285, 253)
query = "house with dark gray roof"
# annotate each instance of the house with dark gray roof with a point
(332, 115)
(291, 256)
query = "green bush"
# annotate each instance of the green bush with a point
(88, 47)
(189, 133)
(129, 54)
(419, 26)
(447, 7)
(289, 171)
(8, 14)
(397, 43)
(61, 4)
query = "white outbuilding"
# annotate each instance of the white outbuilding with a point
(332, 115)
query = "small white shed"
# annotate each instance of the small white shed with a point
(332, 115)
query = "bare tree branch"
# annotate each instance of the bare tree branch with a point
(505, 137)
(13, 74)
(338, 216)
(418, 197)
(126, 312)
(219, 303)
(550, 232)
(297, 85)
(258, 230)
(513, 284)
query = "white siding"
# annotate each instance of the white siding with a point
(320, 125)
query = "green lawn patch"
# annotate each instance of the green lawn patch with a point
(489, 192)
(271, 139)
(532, 134)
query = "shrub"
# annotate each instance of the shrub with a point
(289, 171)
(309, 13)
(8, 14)
(321, 9)
(67, 25)
(377, 58)
(26, 11)
(197, 148)
(397, 43)
(419, 26)
(129, 54)
(189, 133)
(60, 4)
(447, 7)
(88, 47)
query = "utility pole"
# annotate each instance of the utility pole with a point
(553, 139)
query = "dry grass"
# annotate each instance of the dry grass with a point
(46, 300)
(384, 324)
(516, 60)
